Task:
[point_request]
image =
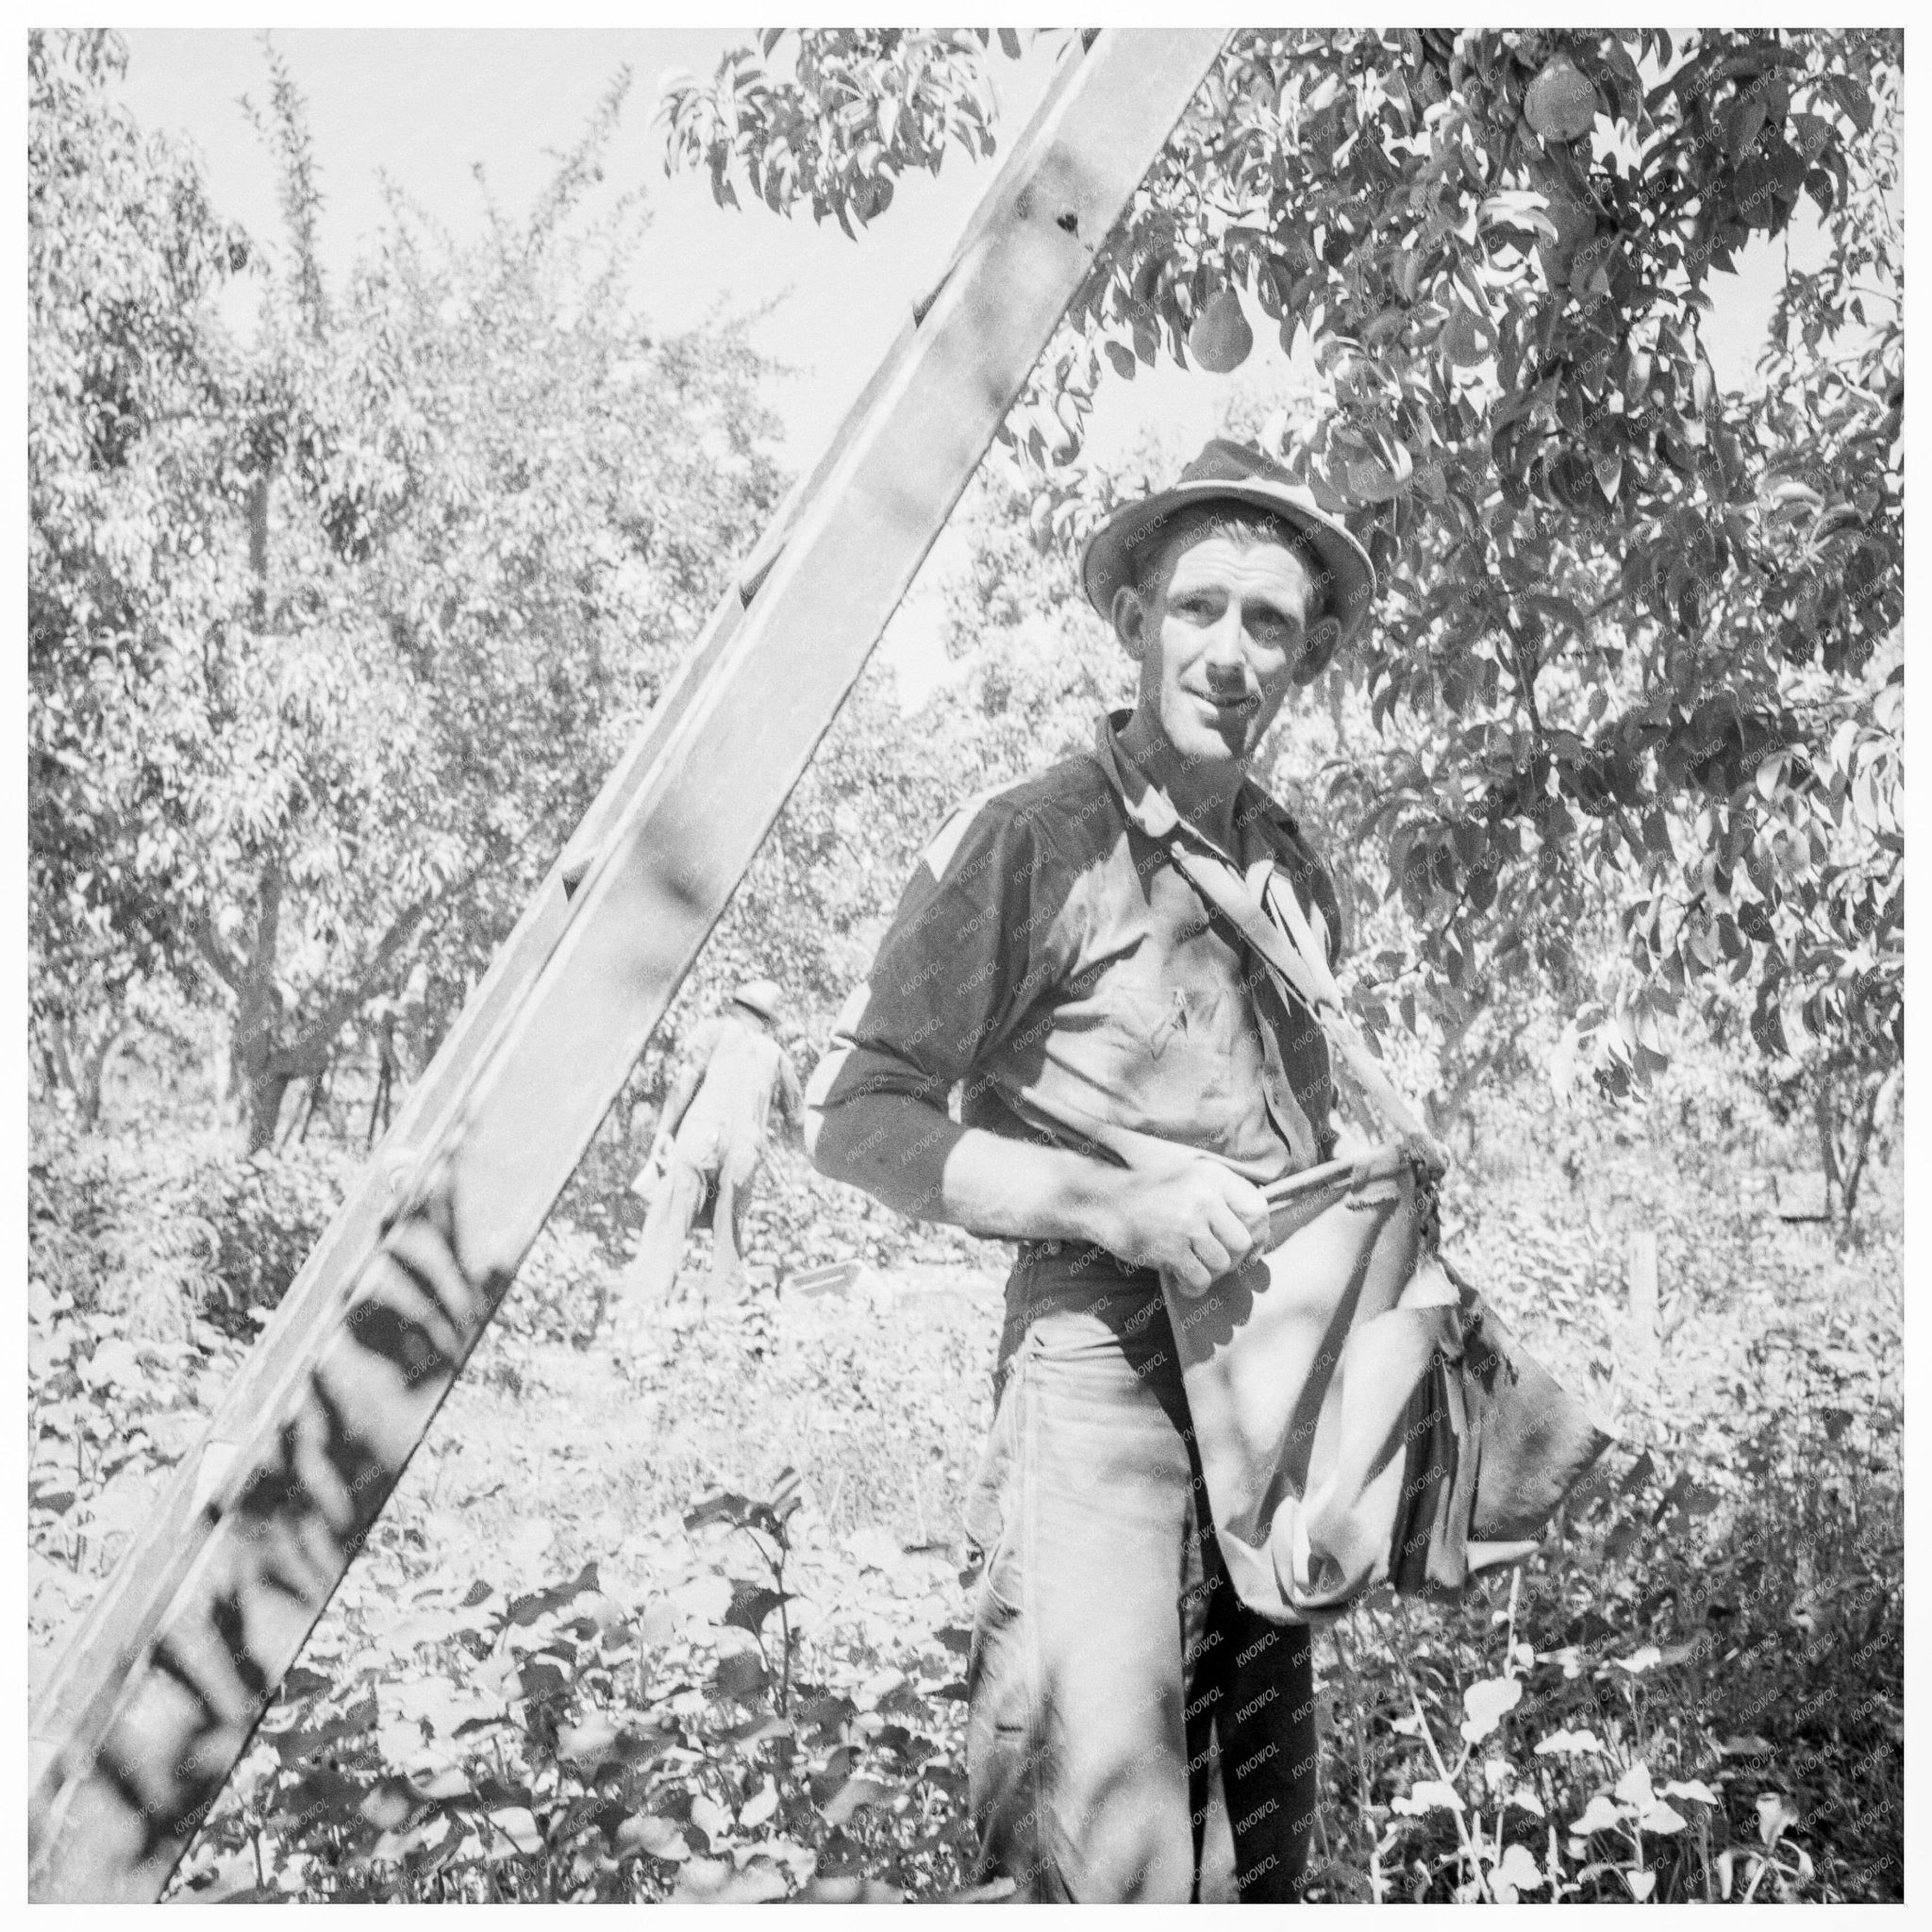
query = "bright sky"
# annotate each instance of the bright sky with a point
(425, 108)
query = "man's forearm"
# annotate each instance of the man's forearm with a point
(921, 1163)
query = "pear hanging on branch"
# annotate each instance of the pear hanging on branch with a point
(1221, 339)
(1560, 104)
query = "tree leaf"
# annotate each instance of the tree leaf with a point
(1693, 1789)
(1428, 1794)
(1519, 1869)
(1524, 209)
(1486, 1703)
(710, 1818)
(751, 1604)
(590, 1742)
(743, 1676)
(646, 1832)
(1776, 1815)
(1466, 339)
(1372, 480)
(853, 1794)
(1600, 1814)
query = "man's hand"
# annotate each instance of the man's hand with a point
(1195, 1221)
(645, 1182)
(1174, 1209)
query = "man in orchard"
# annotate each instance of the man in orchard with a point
(709, 1146)
(1134, 1731)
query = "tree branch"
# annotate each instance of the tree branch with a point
(306, 1057)
(54, 1034)
(227, 967)
(1526, 676)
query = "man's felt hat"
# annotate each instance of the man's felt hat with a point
(762, 997)
(1231, 472)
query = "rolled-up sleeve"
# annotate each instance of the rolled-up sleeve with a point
(963, 958)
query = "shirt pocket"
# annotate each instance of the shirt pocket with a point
(1174, 1051)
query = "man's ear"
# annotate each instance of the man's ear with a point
(1129, 614)
(1319, 647)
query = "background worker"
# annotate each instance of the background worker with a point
(710, 1144)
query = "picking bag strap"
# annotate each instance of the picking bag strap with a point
(1306, 974)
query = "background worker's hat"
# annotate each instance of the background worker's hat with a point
(762, 997)
(1228, 472)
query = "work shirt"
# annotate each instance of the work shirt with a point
(1049, 961)
(744, 1070)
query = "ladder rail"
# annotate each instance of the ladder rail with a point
(144, 1718)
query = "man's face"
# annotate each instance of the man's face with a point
(1219, 635)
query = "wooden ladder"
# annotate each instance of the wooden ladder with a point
(156, 1696)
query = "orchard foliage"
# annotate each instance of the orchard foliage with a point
(1637, 638)
(124, 372)
(862, 106)
(337, 624)
(513, 502)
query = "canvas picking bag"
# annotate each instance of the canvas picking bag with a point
(1361, 1415)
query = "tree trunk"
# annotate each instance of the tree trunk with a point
(385, 1082)
(264, 1109)
(258, 544)
(1875, 1094)
(256, 1084)
(94, 1069)
(54, 1050)
(1827, 1117)
(1443, 1110)
(78, 1061)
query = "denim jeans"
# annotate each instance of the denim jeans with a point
(1134, 1731)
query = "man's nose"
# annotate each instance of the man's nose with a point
(1226, 655)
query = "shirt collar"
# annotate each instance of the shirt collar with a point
(1149, 807)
